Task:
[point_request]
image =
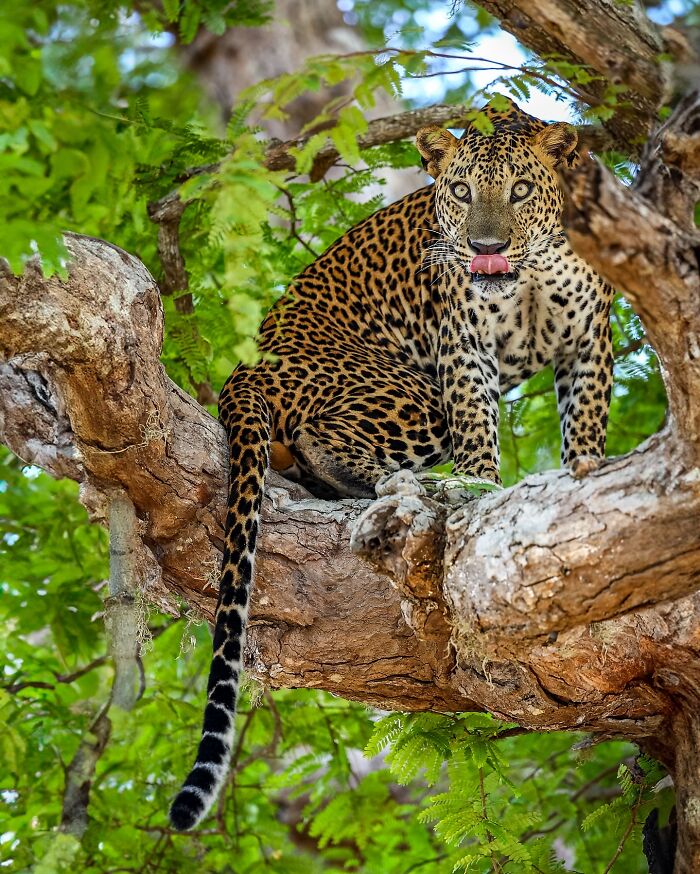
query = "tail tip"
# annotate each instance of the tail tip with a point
(183, 814)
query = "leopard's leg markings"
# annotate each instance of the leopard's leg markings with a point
(470, 387)
(583, 380)
(355, 442)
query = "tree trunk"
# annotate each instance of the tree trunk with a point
(226, 65)
(685, 731)
(229, 63)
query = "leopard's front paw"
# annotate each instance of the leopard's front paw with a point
(582, 465)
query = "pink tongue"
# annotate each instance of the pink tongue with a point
(489, 264)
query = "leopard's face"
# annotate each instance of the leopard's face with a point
(497, 198)
(492, 201)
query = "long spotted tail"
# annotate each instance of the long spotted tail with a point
(245, 416)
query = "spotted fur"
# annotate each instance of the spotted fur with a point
(388, 353)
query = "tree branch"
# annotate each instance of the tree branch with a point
(80, 773)
(98, 335)
(123, 614)
(615, 40)
(167, 211)
(521, 566)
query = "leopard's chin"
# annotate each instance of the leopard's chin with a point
(495, 278)
(495, 285)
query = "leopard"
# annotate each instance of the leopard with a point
(390, 352)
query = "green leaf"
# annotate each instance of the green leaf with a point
(61, 856)
(171, 10)
(190, 19)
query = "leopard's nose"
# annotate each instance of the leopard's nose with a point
(488, 246)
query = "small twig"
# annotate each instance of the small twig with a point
(482, 792)
(294, 220)
(536, 393)
(59, 678)
(80, 773)
(417, 865)
(269, 749)
(166, 213)
(265, 752)
(497, 66)
(12, 688)
(628, 831)
(635, 346)
(582, 790)
(598, 777)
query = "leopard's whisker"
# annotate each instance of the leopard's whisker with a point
(439, 248)
(430, 261)
(449, 269)
(428, 267)
(436, 257)
(442, 242)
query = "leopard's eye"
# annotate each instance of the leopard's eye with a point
(461, 191)
(520, 190)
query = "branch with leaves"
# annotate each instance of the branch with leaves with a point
(615, 41)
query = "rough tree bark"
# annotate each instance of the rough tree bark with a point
(558, 604)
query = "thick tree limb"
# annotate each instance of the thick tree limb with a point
(645, 242)
(98, 336)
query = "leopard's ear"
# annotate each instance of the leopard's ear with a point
(437, 147)
(557, 143)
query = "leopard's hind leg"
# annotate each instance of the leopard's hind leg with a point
(386, 418)
(368, 429)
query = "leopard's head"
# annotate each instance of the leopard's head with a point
(497, 196)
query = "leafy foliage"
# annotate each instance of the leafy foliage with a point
(97, 120)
